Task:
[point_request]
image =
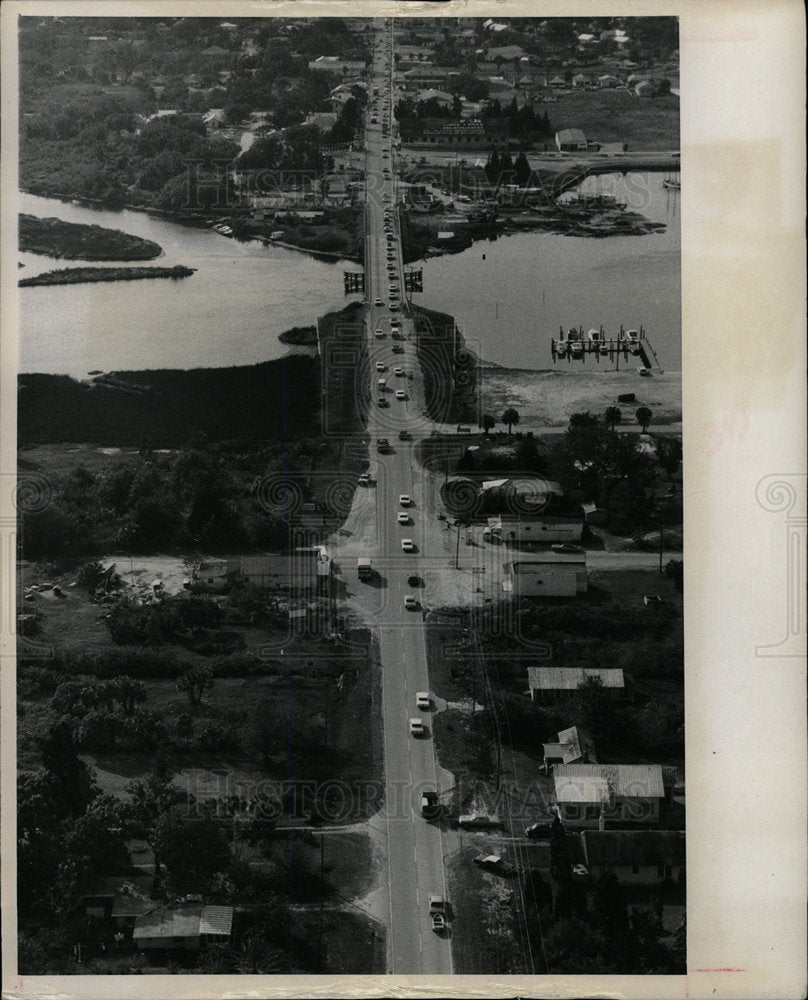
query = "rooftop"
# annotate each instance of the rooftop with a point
(570, 678)
(595, 783)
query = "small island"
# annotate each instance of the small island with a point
(73, 241)
(84, 275)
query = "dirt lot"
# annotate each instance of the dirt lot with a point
(547, 398)
(608, 116)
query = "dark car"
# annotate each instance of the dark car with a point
(430, 804)
(414, 581)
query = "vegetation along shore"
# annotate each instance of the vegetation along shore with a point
(85, 275)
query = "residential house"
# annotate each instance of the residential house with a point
(574, 746)
(512, 528)
(592, 795)
(644, 89)
(636, 857)
(570, 140)
(498, 87)
(555, 685)
(558, 82)
(581, 80)
(323, 120)
(216, 54)
(444, 99)
(420, 77)
(215, 118)
(121, 898)
(607, 81)
(337, 65)
(188, 926)
(551, 574)
(507, 53)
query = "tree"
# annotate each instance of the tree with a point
(77, 787)
(487, 423)
(612, 416)
(580, 421)
(510, 417)
(195, 682)
(643, 416)
(193, 850)
(669, 454)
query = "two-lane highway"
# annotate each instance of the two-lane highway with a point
(415, 849)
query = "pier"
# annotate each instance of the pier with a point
(575, 344)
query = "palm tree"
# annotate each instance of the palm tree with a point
(510, 417)
(612, 416)
(643, 417)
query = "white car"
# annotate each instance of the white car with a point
(417, 729)
(378, 302)
(407, 545)
(400, 394)
(403, 517)
(422, 700)
(397, 371)
(379, 332)
(405, 500)
(380, 366)
(410, 603)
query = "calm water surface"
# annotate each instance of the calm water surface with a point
(510, 296)
(229, 313)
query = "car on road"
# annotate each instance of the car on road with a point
(437, 904)
(400, 394)
(403, 517)
(566, 549)
(364, 479)
(405, 500)
(404, 436)
(410, 603)
(398, 349)
(395, 321)
(398, 371)
(478, 820)
(380, 366)
(393, 307)
(539, 831)
(417, 727)
(438, 922)
(379, 332)
(422, 699)
(407, 545)
(494, 863)
(378, 302)
(383, 403)
(415, 580)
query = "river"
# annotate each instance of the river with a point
(510, 296)
(229, 313)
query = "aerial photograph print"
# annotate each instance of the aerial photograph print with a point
(349, 557)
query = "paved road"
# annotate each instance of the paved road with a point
(415, 868)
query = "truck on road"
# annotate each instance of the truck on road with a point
(364, 568)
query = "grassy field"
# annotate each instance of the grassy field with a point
(608, 116)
